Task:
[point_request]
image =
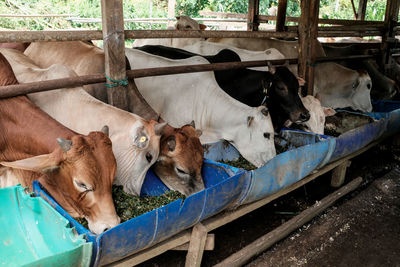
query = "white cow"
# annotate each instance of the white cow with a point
(182, 23)
(208, 48)
(182, 98)
(135, 140)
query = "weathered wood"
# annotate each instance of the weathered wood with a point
(114, 51)
(242, 256)
(281, 16)
(354, 9)
(308, 34)
(196, 246)
(252, 17)
(362, 8)
(391, 17)
(339, 173)
(171, 12)
(35, 87)
(210, 244)
(231, 215)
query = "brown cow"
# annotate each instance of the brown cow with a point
(77, 170)
(85, 59)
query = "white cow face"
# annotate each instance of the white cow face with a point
(138, 154)
(255, 137)
(361, 98)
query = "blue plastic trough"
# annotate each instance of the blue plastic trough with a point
(225, 186)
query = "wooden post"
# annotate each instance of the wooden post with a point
(281, 16)
(362, 7)
(114, 50)
(252, 17)
(209, 245)
(308, 33)
(196, 246)
(391, 14)
(171, 12)
(339, 173)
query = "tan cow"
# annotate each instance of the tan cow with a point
(77, 170)
(88, 59)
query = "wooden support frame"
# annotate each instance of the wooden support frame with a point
(252, 17)
(339, 174)
(308, 33)
(362, 8)
(391, 18)
(114, 51)
(231, 215)
(281, 16)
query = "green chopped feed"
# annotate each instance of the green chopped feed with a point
(240, 163)
(129, 206)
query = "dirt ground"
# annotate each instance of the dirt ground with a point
(361, 229)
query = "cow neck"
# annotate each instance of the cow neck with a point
(30, 131)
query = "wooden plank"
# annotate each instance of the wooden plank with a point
(308, 34)
(196, 246)
(339, 173)
(242, 256)
(210, 244)
(231, 215)
(281, 16)
(252, 17)
(114, 51)
(171, 12)
(362, 7)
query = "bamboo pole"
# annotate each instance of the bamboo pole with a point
(35, 87)
(114, 52)
(242, 256)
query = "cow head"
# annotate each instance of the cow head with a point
(79, 174)
(187, 23)
(254, 136)
(137, 151)
(339, 87)
(283, 95)
(180, 160)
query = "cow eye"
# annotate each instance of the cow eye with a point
(369, 86)
(149, 157)
(180, 171)
(267, 135)
(82, 186)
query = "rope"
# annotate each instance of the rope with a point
(115, 83)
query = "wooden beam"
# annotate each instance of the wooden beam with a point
(308, 33)
(252, 17)
(339, 173)
(354, 9)
(391, 17)
(281, 16)
(196, 246)
(114, 51)
(171, 12)
(362, 7)
(259, 245)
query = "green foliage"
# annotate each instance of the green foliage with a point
(190, 7)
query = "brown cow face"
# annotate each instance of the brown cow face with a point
(79, 175)
(180, 160)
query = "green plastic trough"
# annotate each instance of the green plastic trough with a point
(32, 233)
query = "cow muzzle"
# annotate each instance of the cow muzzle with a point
(99, 227)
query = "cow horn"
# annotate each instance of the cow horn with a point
(192, 124)
(105, 130)
(64, 144)
(159, 128)
(271, 68)
(249, 120)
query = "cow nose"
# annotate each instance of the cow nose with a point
(305, 116)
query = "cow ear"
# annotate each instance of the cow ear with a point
(41, 163)
(250, 120)
(171, 143)
(202, 26)
(159, 128)
(329, 112)
(199, 132)
(302, 82)
(192, 123)
(105, 130)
